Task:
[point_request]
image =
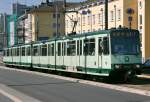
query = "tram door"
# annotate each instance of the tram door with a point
(100, 53)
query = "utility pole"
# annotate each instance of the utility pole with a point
(106, 14)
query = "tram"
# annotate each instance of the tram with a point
(113, 52)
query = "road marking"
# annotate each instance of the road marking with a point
(15, 95)
(99, 84)
(11, 97)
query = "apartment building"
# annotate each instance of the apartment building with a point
(144, 26)
(91, 16)
(45, 21)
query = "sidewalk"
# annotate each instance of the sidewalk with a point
(147, 76)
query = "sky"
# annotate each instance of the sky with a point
(5, 5)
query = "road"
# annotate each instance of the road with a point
(4, 99)
(48, 89)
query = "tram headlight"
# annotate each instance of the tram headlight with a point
(117, 66)
(137, 66)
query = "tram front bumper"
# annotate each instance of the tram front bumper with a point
(126, 67)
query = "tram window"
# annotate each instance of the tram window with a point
(59, 49)
(71, 48)
(78, 47)
(7, 52)
(64, 48)
(105, 46)
(51, 50)
(28, 51)
(23, 51)
(89, 47)
(35, 50)
(85, 47)
(100, 49)
(18, 51)
(44, 50)
(15, 51)
(12, 51)
(92, 47)
(4, 53)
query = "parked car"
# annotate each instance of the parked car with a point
(146, 67)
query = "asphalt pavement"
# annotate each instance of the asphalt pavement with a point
(48, 89)
(4, 99)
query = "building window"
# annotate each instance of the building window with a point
(93, 19)
(54, 15)
(58, 15)
(140, 29)
(141, 19)
(54, 34)
(83, 31)
(119, 14)
(140, 4)
(54, 25)
(112, 15)
(58, 25)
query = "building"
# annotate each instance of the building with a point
(3, 31)
(144, 26)
(24, 29)
(91, 16)
(11, 30)
(48, 19)
(19, 9)
(45, 22)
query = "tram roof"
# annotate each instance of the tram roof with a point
(78, 36)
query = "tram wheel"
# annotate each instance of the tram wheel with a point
(128, 76)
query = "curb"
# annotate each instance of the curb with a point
(98, 84)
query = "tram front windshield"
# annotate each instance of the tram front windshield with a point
(125, 43)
